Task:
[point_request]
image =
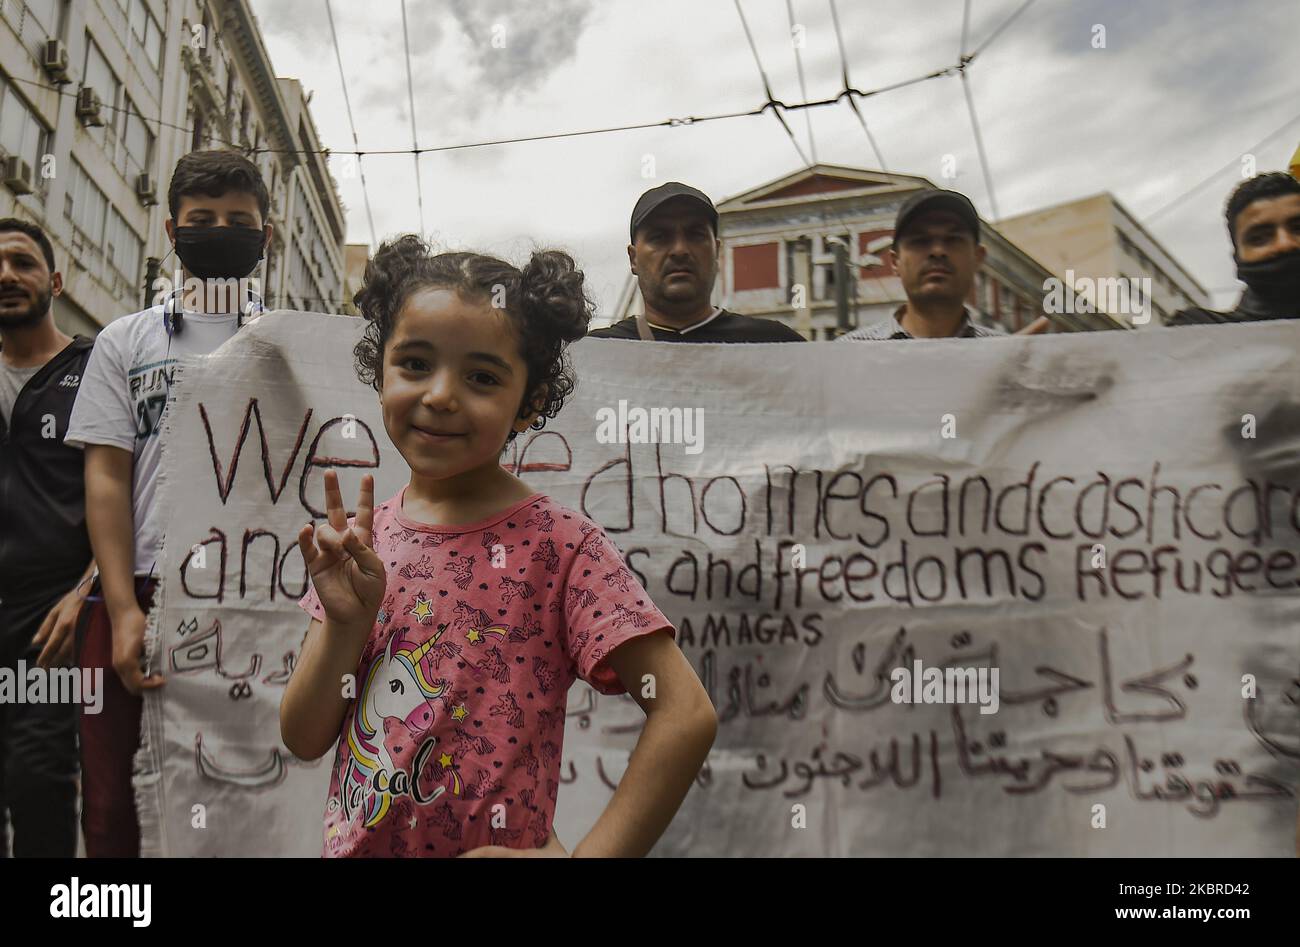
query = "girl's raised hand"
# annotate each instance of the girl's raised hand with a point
(345, 571)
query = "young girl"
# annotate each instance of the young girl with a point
(448, 622)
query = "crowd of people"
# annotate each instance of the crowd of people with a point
(460, 368)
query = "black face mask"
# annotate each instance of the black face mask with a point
(1275, 278)
(220, 252)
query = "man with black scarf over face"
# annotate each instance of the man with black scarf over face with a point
(1264, 223)
(219, 206)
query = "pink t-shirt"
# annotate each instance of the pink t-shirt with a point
(462, 684)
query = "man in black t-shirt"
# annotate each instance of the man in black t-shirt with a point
(45, 557)
(674, 254)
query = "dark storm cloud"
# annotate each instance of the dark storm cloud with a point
(457, 72)
(539, 37)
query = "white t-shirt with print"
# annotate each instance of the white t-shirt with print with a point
(122, 397)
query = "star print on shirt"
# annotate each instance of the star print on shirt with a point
(422, 609)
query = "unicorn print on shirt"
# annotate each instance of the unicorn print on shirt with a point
(398, 688)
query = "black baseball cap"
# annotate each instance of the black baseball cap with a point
(937, 199)
(652, 198)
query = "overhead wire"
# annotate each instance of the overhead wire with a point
(767, 86)
(847, 84)
(415, 138)
(347, 102)
(803, 88)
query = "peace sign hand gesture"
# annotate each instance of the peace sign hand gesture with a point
(345, 571)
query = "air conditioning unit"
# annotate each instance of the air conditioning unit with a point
(88, 105)
(18, 175)
(55, 61)
(146, 189)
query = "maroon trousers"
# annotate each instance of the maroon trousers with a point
(110, 738)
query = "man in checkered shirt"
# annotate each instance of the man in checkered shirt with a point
(937, 252)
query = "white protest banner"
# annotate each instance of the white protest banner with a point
(1012, 596)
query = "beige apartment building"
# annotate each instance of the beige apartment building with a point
(1095, 239)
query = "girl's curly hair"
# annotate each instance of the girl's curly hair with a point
(546, 302)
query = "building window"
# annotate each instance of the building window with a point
(137, 140)
(34, 21)
(828, 246)
(21, 133)
(146, 35)
(791, 276)
(140, 32)
(45, 13)
(98, 75)
(886, 265)
(85, 206)
(123, 250)
(754, 267)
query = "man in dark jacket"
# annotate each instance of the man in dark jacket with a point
(45, 558)
(1264, 224)
(674, 254)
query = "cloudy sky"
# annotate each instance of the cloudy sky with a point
(1182, 89)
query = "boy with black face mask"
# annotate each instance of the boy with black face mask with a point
(1264, 223)
(219, 206)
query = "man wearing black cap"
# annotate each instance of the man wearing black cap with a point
(674, 254)
(937, 252)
